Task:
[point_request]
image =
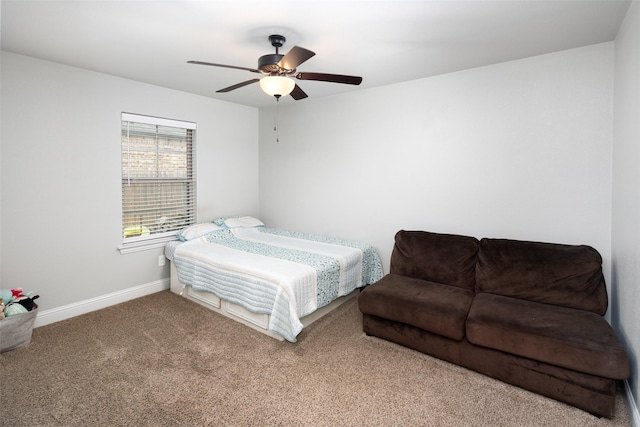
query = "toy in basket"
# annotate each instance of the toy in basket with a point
(17, 315)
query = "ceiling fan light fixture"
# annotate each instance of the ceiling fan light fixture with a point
(277, 70)
(277, 85)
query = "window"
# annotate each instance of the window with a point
(158, 180)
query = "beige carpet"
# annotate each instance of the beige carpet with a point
(164, 361)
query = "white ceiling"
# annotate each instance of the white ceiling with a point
(385, 42)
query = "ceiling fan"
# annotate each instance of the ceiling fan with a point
(279, 70)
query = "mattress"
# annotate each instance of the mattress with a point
(284, 274)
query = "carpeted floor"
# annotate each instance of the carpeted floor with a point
(164, 361)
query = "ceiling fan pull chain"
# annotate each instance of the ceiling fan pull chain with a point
(275, 122)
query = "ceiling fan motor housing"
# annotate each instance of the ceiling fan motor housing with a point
(269, 63)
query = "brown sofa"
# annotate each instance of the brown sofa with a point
(526, 313)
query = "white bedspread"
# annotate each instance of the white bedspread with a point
(286, 275)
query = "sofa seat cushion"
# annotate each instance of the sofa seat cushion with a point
(574, 339)
(434, 307)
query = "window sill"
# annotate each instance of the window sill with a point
(145, 245)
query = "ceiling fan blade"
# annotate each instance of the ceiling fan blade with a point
(333, 78)
(253, 70)
(296, 56)
(237, 86)
(298, 93)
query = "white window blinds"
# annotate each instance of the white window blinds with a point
(158, 179)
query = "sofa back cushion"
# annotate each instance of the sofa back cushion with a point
(563, 275)
(442, 258)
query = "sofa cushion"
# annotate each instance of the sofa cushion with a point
(442, 258)
(434, 307)
(574, 339)
(564, 275)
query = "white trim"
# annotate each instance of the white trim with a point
(631, 404)
(150, 120)
(146, 243)
(82, 307)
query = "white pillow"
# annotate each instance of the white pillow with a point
(197, 230)
(243, 221)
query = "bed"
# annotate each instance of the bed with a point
(273, 280)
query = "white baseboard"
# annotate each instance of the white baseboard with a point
(631, 404)
(68, 311)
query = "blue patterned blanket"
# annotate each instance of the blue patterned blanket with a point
(285, 274)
